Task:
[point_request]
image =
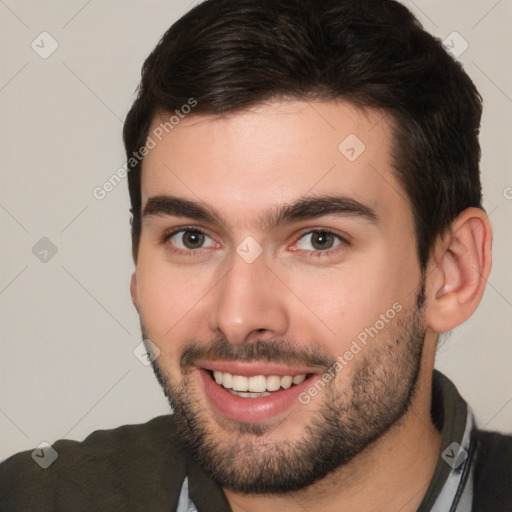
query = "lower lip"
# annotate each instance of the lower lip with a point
(252, 410)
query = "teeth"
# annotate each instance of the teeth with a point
(240, 383)
(298, 379)
(227, 380)
(286, 381)
(257, 385)
(248, 395)
(273, 383)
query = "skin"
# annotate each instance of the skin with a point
(246, 164)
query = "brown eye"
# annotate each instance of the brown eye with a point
(190, 239)
(319, 241)
(322, 240)
(193, 239)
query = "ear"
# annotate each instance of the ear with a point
(458, 271)
(133, 289)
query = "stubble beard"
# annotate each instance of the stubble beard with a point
(380, 392)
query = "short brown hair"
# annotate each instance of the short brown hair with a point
(233, 54)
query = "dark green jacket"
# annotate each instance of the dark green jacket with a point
(142, 468)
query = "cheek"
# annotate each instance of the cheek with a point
(169, 299)
(340, 304)
(343, 305)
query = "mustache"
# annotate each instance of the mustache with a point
(269, 351)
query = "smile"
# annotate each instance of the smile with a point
(253, 393)
(257, 385)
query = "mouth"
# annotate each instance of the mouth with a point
(255, 386)
(253, 393)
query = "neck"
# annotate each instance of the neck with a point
(392, 474)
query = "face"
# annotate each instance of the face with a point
(277, 274)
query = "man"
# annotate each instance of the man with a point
(306, 220)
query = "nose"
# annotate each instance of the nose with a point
(249, 303)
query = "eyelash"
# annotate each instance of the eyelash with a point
(190, 252)
(319, 254)
(311, 254)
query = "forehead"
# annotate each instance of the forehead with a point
(245, 163)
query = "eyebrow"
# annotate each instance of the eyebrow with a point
(303, 209)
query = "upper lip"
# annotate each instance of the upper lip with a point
(251, 369)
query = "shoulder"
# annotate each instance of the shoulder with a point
(111, 469)
(493, 471)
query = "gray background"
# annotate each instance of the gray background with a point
(68, 328)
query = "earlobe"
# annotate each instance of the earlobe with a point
(133, 290)
(460, 268)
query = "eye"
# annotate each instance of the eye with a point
(319, 241)
(190, 239)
